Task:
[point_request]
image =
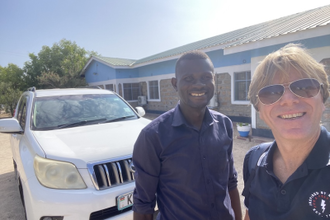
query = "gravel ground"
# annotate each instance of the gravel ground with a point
(10, 204)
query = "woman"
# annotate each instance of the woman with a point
(292, 178)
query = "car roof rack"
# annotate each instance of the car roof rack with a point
(32, 89)
(91, 87)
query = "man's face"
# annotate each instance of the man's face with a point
(293, 117)
(194, 83)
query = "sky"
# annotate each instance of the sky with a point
(131, 29)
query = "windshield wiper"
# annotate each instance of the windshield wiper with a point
(78, 123)
(118, 119)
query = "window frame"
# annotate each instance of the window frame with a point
(131, 98)
(247, 81)
(111, 85)
(150, 90)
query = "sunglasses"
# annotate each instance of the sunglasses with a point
(303, 88)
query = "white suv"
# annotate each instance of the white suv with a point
(72, 152)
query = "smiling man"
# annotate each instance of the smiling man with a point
(183, 159)
(291, 180)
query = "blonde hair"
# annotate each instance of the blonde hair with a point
(280, 62)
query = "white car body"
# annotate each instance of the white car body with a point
(85, 147)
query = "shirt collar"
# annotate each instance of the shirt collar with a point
(179, 119)
(318, 157)
(268, 157)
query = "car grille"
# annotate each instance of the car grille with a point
(112, 173)
(107, 213)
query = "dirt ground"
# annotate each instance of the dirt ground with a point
(10, 204)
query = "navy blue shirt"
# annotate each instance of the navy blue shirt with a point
(191, 171)
(304, 196)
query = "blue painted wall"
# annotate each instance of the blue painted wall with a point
(165, 67)
(97, 72)
(220, 60)
(126, 73)
(310, 43)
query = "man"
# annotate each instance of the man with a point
(291, 180)
(183, 159)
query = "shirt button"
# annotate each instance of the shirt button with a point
(204, 157)
(283, 192)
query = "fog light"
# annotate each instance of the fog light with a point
(52, 218)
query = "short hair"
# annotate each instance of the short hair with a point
(192, 55)
(291, 56)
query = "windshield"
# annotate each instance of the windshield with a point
(78, 110)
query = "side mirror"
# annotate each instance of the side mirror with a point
(10, 125)
(140, 111)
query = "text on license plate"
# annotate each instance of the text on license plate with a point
(125, 200)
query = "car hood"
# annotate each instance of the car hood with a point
(92, 143)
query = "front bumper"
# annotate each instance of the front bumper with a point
(73, 204)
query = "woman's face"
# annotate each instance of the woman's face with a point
(293, 117)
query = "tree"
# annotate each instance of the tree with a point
(58, 66)
(9, 96)
(14, 75)
(11, 86)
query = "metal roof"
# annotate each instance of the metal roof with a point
(116, 61)
(285, 25)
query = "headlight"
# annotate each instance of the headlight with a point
(57, 174)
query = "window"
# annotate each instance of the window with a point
(131, 91)
(153, 90)
(109, 87)
(53, 112)
(21, 114)
(242, 84)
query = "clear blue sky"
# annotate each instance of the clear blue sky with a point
(131, 29)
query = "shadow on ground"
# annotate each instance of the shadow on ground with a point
(10, 201)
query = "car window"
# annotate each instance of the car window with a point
(21, 114)
(52, 112)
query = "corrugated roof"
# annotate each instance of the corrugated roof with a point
(274, 28)
(116, 61)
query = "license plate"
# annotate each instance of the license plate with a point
(125, 200)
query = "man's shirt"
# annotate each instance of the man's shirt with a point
(191, 171)
(304, 196)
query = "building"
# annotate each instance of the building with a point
(235, 55)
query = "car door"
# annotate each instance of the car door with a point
(21, 117)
